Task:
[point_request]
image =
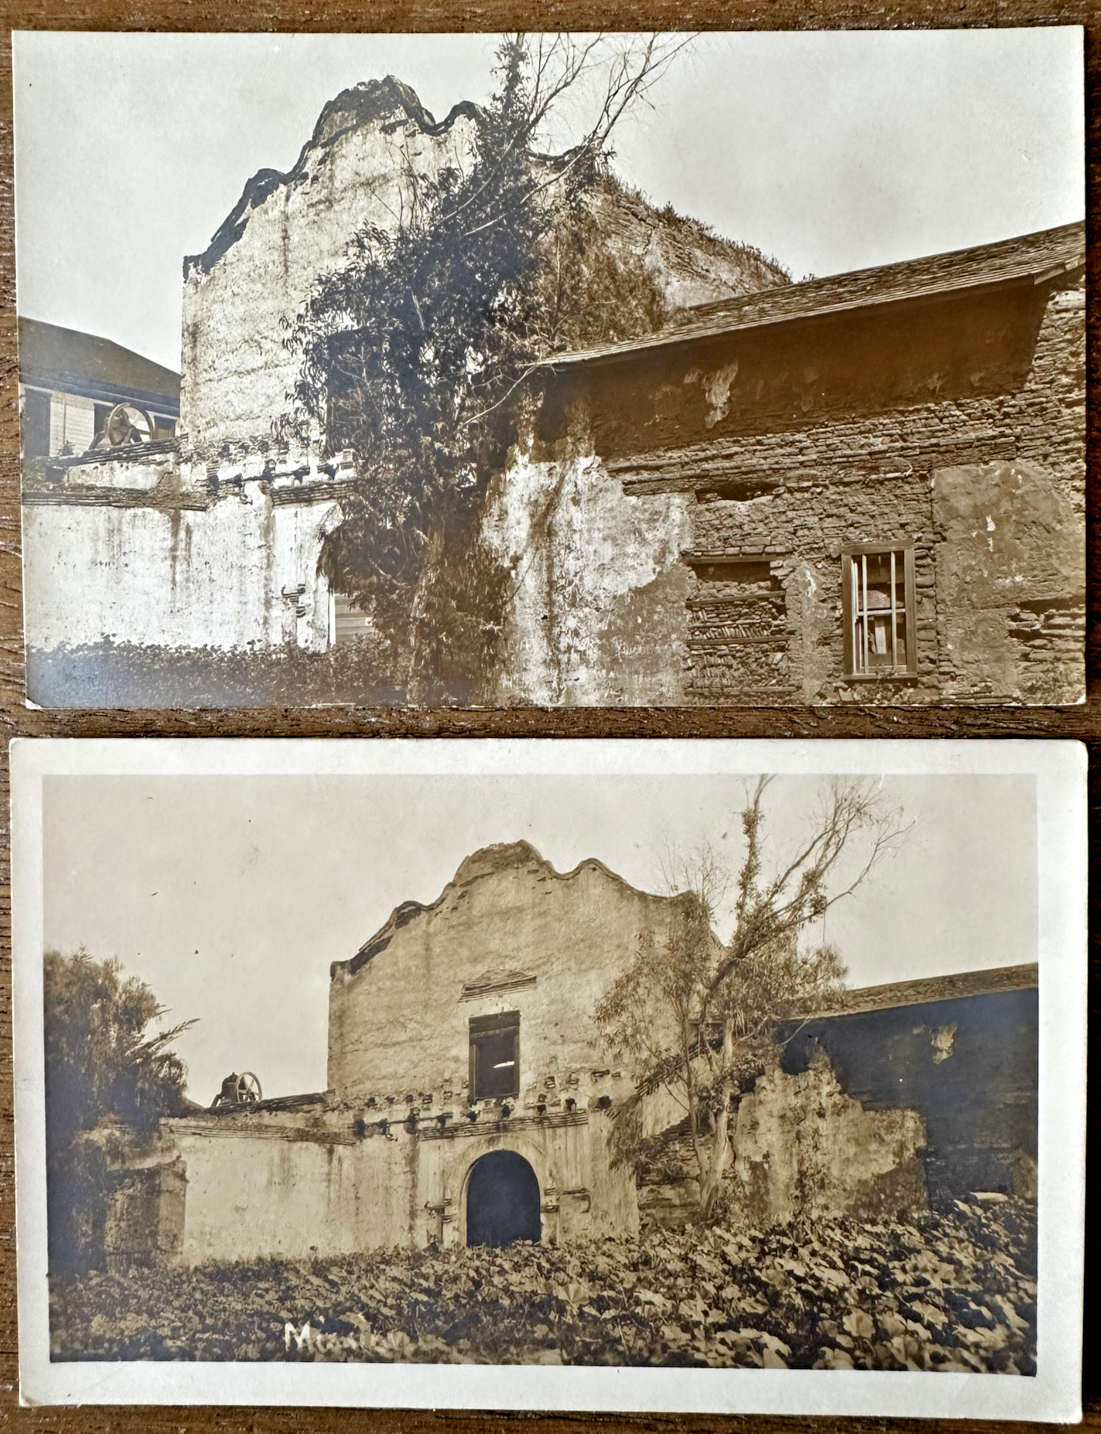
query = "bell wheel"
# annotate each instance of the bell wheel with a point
(248, 1089)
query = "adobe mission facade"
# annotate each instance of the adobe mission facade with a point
(471, 1100)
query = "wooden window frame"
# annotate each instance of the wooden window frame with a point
(485, 1025)
(849, 614)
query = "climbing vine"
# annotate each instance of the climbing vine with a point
(422, 353)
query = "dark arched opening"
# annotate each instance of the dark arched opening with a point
(502, 1200)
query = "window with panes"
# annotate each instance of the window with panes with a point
(877, 590)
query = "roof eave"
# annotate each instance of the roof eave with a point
(674, 338)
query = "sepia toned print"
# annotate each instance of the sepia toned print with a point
(465, 417)
(761, 1104)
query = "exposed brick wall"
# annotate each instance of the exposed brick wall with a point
(799, 439)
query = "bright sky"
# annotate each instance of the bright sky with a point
(231, 895)
(831, 150)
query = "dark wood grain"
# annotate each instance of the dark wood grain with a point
(1083, 723)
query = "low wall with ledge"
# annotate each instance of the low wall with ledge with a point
(148, 549)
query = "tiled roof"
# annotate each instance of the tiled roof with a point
(959, 985)
(1046, 254)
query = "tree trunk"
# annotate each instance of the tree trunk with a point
(711, 1179)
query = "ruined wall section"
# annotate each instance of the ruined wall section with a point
(875, 427)
(886, 1108)
(803, 1146)
(969, 1067)
(399, 1012)
(795, 536)
(691, 264)
(595, 606)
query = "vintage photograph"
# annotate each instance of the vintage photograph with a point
(690, 1057)
(552, 369)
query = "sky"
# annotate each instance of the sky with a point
(231, 895)
(829, 150)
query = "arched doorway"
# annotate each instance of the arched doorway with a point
(502, 1200)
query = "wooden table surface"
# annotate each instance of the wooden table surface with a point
(1083, 723)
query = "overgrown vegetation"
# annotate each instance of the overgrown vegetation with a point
(421, 352)
(951, 1292)
(102, 1064)
(700, 1019)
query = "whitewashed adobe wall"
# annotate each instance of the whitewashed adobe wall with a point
(565, 937)
(131, 551)
(322, 1184)
(285, 231)
(596, 605)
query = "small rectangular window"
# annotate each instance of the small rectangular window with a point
(877, 592)
(494, 1055)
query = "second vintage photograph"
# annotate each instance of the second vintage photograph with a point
(591, 1056)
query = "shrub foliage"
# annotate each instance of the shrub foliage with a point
(953, 1292)
(102, 1063)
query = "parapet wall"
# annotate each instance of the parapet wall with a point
(287, 229)
(333, 1181)
(508, 934)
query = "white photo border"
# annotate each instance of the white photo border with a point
(1053, 1394)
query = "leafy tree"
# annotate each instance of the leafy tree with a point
(101, 1064)
(701, 1019)
(421, 353)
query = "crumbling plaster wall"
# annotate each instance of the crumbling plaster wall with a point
(690, 264)
(595, 612)
(803, 1146)
(149, 554)
(1010, 582)
(969, 1066)
(871, 1112)
(889, 426)
(549, 944)
(800, 532)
